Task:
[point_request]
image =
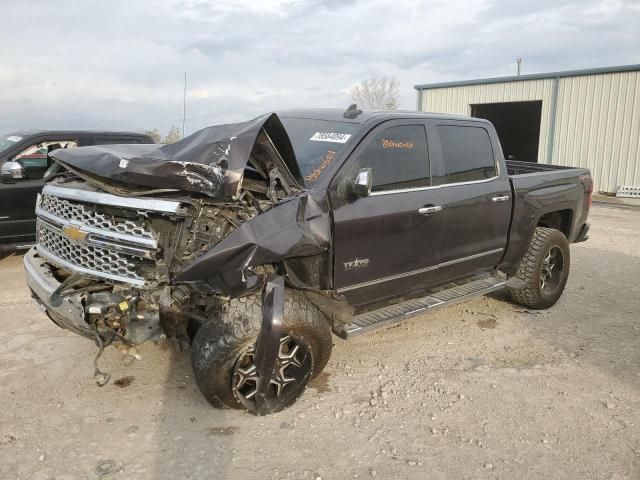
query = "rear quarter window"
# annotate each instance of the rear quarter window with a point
(467, 155)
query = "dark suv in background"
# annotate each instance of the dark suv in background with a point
(23, 163)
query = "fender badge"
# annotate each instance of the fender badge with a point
(356, 264)
(73, 233)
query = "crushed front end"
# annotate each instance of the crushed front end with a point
(117, 224)
(103, 263)
(148, 241)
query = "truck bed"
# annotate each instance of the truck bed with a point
(538, 190)
(523, 168)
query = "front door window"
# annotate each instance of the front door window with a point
(398, 158)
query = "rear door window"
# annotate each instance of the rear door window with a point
(398, 158)
(467, 154)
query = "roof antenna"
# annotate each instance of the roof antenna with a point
(519, 62)
(352, 111)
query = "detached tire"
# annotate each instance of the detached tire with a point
(222, 352)
(544, 269)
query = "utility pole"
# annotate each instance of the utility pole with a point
(519, 61)
(184, 104)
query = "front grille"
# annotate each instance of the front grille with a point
(100, 262)
(83, 214)
(76, 232)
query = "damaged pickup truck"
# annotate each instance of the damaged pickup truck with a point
(254, 241)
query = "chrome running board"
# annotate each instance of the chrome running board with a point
(369, 321)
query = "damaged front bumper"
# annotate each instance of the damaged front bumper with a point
(69, 313)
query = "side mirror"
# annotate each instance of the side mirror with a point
(361, 185)
(12, 170)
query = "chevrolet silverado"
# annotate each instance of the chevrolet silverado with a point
(255, 241)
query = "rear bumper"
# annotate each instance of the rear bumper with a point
(70, 313)
(584, 234)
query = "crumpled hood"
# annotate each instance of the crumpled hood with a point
(211, 161)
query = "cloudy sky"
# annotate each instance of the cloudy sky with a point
(119, 64)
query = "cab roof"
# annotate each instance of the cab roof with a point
(337, 115)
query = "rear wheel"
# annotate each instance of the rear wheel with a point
(223, 349)
(544, 269)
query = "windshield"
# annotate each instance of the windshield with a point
(8, 140)
(316, 143)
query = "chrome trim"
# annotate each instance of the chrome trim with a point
(413, 312)
(85, 271)
(433, 187)
(416, 272)
(398, 312)
(429, 210)
(502, 198)
(88, 196)
(496, 161)
(95, 242)
(139, 241)
(116, 247)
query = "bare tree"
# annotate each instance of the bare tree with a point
(377, 93)
(155, 134)
(173, 136)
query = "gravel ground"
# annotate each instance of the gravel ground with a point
(480, 390)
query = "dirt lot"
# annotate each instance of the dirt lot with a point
(481, 390)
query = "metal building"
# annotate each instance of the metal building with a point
(582, 118)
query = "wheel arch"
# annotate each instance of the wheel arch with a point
(561, 220)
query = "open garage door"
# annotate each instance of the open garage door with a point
(518, 127)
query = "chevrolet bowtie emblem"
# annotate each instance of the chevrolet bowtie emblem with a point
(73, 233)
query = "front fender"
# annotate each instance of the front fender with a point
(296, 227)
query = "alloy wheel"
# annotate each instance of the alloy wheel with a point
(292, 368)
(551, 270)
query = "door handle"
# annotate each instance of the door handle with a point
(502, 198)
(429, 210)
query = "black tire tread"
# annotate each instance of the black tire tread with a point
(528, 271)
(219, 342)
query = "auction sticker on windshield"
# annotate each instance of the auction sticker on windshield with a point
(14, 138)
(330, 137)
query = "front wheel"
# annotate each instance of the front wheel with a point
(223, 348)
(544, 269)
